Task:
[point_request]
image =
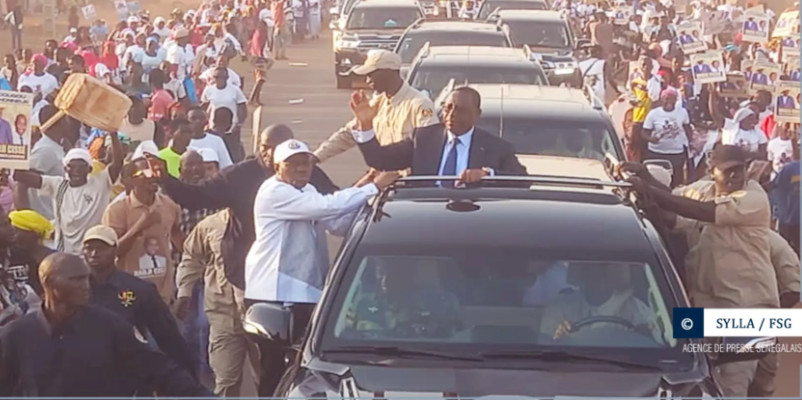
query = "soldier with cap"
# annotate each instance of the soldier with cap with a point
(400, 108)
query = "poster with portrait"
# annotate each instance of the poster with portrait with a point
(15, 129)
(689, 35)
(714, 22)
(787, 101)
(764, 75)
(755, 28)
(621, 15)
(634, 72)
(735, 86)
(790, 46)
(89, 12)
(790, 70)
(121, 8)
(708, 67)
(787, 25)
(134, 7)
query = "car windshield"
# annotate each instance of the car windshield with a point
(383, 17)
(565, 138)
(413, 42)
(491, 298)
(552, 35)
(433, 80)
(490, 5)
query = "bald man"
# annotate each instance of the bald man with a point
(72, 349)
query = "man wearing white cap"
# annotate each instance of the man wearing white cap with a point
(288, 262)
(161, 29)
(211, 161)
(399, 108)
(78, 199)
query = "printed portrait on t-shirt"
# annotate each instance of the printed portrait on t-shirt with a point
(151, 263)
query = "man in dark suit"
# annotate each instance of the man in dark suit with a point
(454, 147)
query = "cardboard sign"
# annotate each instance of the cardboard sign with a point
(791, 68)
(755, 28)
(121, 7)
(689, 34)
(89, 12)
(735, 86)
(708, 67)
(15, 112)
(635, 72)
(787, 25)
(787, 101)
(134, 7)
(763, 75)
(790, 46)
(714, 22)
(621, 15)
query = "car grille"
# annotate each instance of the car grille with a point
(378, 43)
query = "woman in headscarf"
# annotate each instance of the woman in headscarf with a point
(29, 249)
(741, 129)
(152, 58)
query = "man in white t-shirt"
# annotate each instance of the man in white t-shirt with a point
(222, 62)
(180, 55)
(39, 80)
(780, 149)
(668, 130)
(79, 200)
(223, 94)
(200, 139)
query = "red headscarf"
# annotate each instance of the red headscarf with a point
(90, 59)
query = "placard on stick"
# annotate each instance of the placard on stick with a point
(15, 141)
(787, 25)
(89, 12)
(787, 101)
(708, 67)
(689, 34)
(763, 76)
(755, 28)
(735, 86)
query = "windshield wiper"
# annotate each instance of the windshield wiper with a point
(567, 356)
(400, 351)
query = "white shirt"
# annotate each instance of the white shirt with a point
(779, 153)
(82, 207)
(654, 86)
(163, 33)
(749, 140)
(44, 84)
(594, 67)
(46, 157)
(463, 151)
(182, 57)
(134, 53)
(215, 143)
(668, 127)
(229, 97)
(288, 261)
(233, 78)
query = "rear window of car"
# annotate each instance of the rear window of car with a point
(412, 43)
(433, 79)
(489, 6)
(382, 17)
(539, 34)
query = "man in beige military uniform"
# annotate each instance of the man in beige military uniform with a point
(726, 223)
(400, 108)
(228, 345)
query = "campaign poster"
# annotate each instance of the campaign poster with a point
(714, 22)
(787, 25)
(755, 28)
(121, 7)
(787, 101)
(791, 68)
(790, 46)
(621, 15)
(764, 74)
(735, 86)
(15, 129)
(708, 67)
(89, 12)
(134, 7)
(689, 34)
(635, 72)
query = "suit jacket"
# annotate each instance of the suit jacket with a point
(424, 149)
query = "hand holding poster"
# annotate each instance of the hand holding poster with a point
(755, 28)
(734, 86)
(689, 36)
(787, 101)
(708, 67)
(15, 129)
(787, 25)
(764, 74)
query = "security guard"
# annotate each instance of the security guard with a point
(401, 108)
(131, 298)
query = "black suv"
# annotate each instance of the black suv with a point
(448, 33)
(489, 6)
(550, 39)
(436, 65)
(371, 25)
(457, 293)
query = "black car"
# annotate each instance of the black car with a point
(459, 293)
(434, 66)
(551, 41)
(489, 6)
(448, 33)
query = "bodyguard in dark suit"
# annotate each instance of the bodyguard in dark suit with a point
(454, 147)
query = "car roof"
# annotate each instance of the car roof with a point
(453, 25)
(529, 15)
(476, 53)
(386, 3)
(554, 218)
(543, 101)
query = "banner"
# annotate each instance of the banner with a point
(708, 67)
(787, 25)
(15, 129)
(689, 36)
(787, 101)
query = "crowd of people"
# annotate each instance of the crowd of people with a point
(167, 224)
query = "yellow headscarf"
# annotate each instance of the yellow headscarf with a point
(29, 220)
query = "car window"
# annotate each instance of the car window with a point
(563, 138)
(382, 18)
(539, 34)
(433, 80)
(489, 6)
(413, 42)
(503, 298)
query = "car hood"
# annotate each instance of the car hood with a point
(365, 381)
(551, 54)
(376, 33)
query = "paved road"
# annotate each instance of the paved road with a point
(324, 109)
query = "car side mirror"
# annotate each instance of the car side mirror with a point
(736, 349)
(334, 26)
(271, 322)
(582, 43)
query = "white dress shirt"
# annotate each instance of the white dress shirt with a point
(288, 261)
(463, 151)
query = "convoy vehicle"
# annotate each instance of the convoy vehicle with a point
(488, 7)
(448, 33)
(434, 66)
(546, 121)
(371, 25)
(550, 39)
(442, 292)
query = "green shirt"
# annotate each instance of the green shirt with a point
(172, 159)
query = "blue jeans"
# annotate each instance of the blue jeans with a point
(196, 328)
